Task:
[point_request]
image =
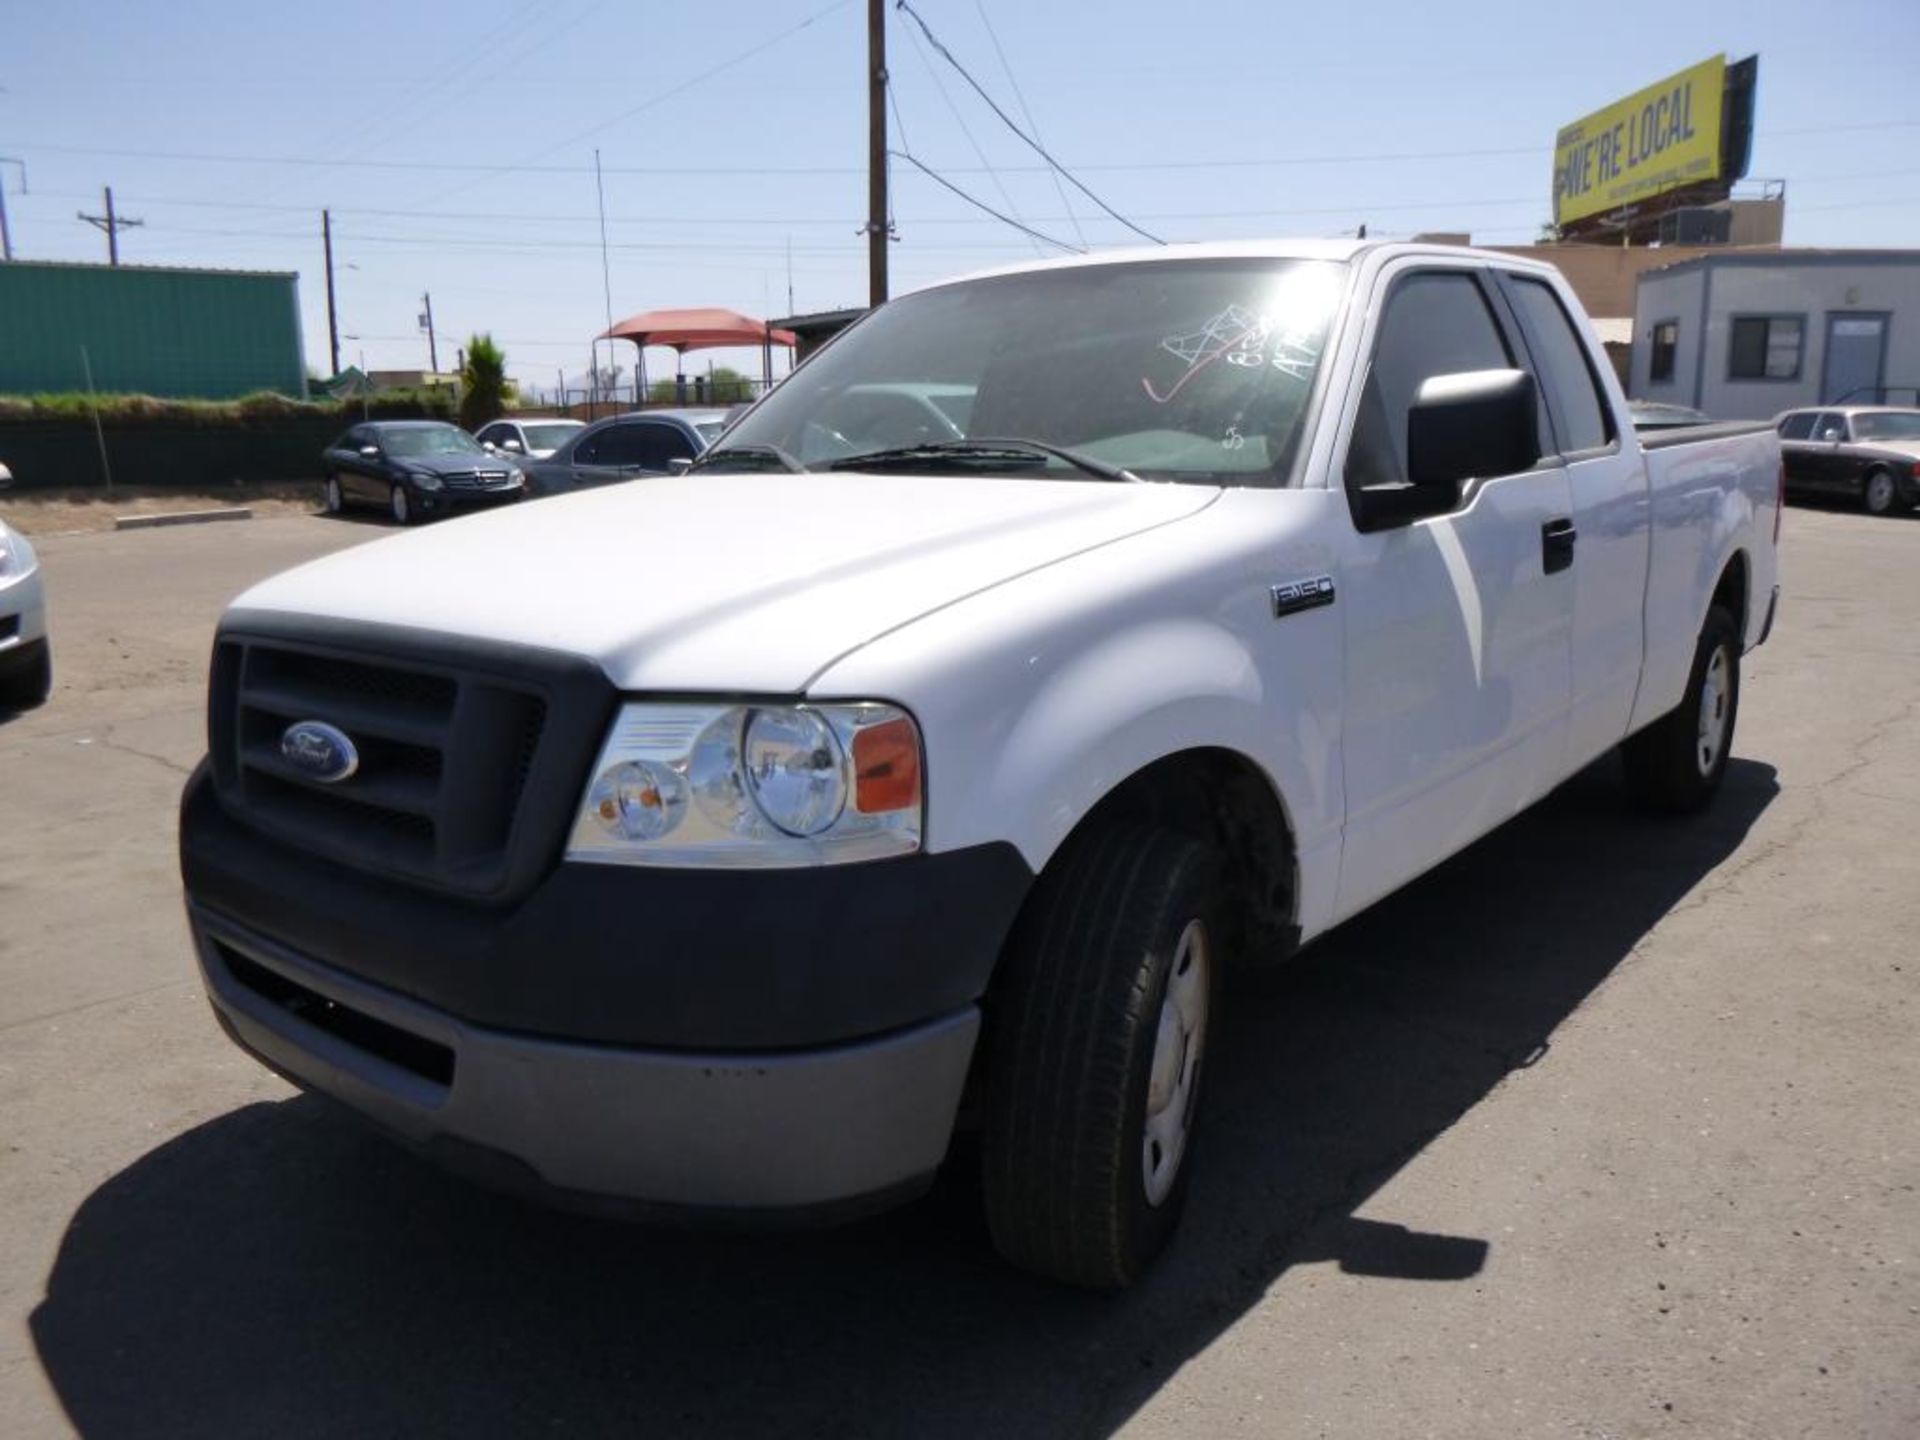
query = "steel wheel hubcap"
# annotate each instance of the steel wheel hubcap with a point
(1880, 492)
(399, 504)
(1716, 691)
(1174, 1077)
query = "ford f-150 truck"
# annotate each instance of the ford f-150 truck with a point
(1051, 641)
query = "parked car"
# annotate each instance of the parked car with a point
(528, 439)
(702, 844)
(1659, 415)
(624, 447)
(415, 469)
(1869, 453)
(26, 657)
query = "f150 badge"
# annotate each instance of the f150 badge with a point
(1298, 595)
(321, 751)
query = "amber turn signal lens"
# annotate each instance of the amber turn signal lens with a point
(886, 767)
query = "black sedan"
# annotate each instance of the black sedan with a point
(624, 447)
(415, 469)
(1868, 453)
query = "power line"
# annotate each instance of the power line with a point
(965, 129)
(1008, 121)
(980, 204)
(735, 171)
(1026, 113)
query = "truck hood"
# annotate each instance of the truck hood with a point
(722, 582)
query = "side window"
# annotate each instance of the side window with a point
(1567, 373)
(622, 445)
(586, 450)
(1830, 426)
(1797, 426)
(1666, 344)
(1435, 323)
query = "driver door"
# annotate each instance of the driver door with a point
(1458, 627)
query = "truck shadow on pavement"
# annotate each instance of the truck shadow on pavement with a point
(282, 1271)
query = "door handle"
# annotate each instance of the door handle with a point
(1556, 545)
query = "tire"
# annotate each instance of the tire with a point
(1675, 765)
(400, 506)
(1097, 1030)
(31, 687)
(331, 498)
(1879, 492)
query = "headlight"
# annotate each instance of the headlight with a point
(775, 786)
(427, 480)
(16, 555)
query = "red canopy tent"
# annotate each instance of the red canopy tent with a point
(708, 328)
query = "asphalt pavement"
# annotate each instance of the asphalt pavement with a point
(1607, 1128)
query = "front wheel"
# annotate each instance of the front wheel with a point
(1879, 493)
(401, 504)
(331, 498)
(30, 686)
(1098, 1032)
(1675, 765)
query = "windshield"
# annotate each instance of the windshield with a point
(430, 440)
(1887, 427)
(1186, 370)
(549, 437)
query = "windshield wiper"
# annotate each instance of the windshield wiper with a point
(750, 453)
(985, 448)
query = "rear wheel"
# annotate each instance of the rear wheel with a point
(1098, 1033)
(1675, 765)
(1879, 493)
(401, 504)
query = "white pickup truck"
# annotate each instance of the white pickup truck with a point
(1053, 640)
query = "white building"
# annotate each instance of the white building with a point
(1745, 334)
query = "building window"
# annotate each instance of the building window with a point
(1666, 340)
(1765, 347)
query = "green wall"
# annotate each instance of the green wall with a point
(206, 334)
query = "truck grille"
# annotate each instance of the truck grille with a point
(445, 754)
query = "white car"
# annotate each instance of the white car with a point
(528, 439)
(719, 843)
(26, 659)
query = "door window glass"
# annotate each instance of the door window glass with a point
(1434, 324)
(1567, 374)
(622, 445)
(1797, 426)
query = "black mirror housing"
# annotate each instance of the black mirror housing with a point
(1472, 426)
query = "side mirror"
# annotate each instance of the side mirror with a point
(679, 465)
(489, 447)
(1468, 426)
(514, 446)
(372, 452)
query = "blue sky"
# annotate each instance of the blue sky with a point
(455, 142)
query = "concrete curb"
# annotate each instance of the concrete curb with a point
(179, 517)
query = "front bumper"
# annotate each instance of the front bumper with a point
(23, 611)
(814, 1134)
(455, 502)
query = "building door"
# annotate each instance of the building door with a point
(1855, 367)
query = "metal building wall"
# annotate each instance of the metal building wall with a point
(149, 330)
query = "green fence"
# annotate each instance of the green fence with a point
(272, 448)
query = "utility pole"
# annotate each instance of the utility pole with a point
(113, 225)
(333, 323)
(6, 235)
(876, 152)
(426, 323)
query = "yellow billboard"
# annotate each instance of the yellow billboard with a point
(1657, 139)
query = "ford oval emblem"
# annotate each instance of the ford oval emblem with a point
(320, 751)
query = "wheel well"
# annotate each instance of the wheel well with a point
(1223, 798)
(1731, 592)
